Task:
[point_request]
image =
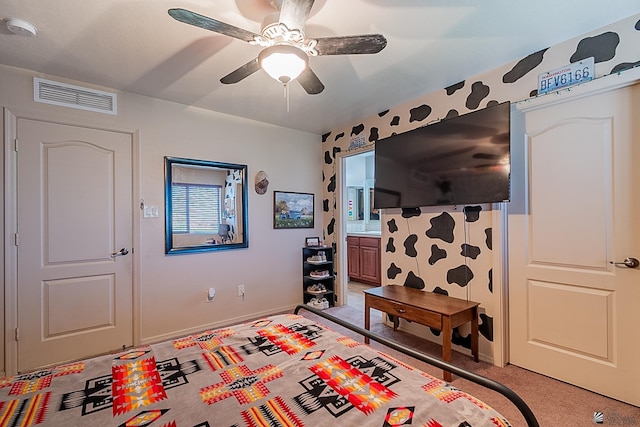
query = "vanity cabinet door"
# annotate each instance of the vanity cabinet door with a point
(353, 257)
(370, 259)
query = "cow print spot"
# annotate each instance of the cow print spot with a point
(392, 225)
(442, 227)
(479, 91)
(601, 47)
(393, 271)
(491, 280)
(436, 254)
(472, 213)
(439, 290)
(390, 246)
(409, 246)
(336, 150)
(486, 326)
(413, 281)
(454, 88)
(470, 251)
(332, 184)
(458, 339)
(325, 205)
(327, 158)
(624, 66)
(524, 66)
(420, 113)
(325, 136)
(356, 130)
(395, 121)
(373, 135)
(461, 276)
(383, 113)
(331, 227)
(489, 239)
(338, 136)
(451, 114)
(410, 212)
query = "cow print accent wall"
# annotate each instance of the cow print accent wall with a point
(449, 249)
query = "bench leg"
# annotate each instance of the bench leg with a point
(474, 334)
(446, 345)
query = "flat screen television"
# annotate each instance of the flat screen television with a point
(458, 161)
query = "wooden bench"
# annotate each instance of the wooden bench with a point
(436, 311)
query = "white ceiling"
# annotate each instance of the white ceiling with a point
(135, 46)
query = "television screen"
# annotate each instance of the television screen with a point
(459, 161)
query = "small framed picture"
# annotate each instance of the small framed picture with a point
(312, 241)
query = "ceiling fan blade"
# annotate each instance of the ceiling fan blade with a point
(244, 71)
(351, 45)
(211, 24)
(310, 82)
(294, 13)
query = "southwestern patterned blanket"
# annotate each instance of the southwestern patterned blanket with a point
(283, 370)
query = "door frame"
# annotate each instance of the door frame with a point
(341, 223)
(10, 256)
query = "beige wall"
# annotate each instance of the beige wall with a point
(172, 288)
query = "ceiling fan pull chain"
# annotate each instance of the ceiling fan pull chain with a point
(286, 95)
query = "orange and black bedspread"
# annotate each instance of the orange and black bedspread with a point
(279, 371)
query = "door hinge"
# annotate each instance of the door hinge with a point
(17, 334)
(15, 145)
(16, 239)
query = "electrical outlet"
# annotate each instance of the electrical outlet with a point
(240, 290)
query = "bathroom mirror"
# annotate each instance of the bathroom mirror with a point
(205, 206)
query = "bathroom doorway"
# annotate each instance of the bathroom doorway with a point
(360, 228)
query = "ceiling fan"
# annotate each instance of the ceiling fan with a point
(286, 52)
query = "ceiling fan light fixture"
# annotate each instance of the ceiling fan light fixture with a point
(283, 62)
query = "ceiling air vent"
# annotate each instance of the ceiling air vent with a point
(67, 95)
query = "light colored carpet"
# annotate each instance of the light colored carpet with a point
(554, 403)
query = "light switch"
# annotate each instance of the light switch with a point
(150, 211)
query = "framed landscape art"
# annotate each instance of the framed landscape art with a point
(292, 210)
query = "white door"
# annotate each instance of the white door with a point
(576, 208)
(74, 196)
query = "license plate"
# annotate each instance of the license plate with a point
(569, 75)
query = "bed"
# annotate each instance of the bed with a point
(283, 370)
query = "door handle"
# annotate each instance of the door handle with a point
(628, 262)
(121, 252)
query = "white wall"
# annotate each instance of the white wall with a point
(172, 288)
